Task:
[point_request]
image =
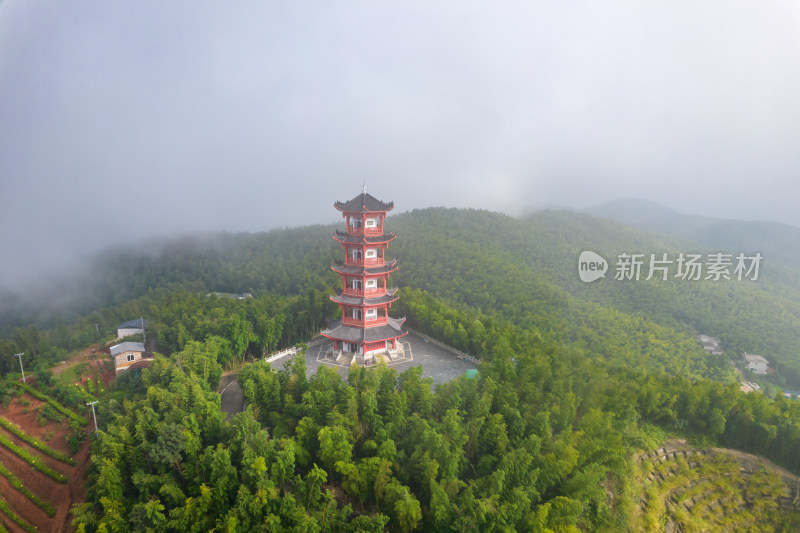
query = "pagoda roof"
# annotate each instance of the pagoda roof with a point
(391, 330)
(364, 203)
(360, 300)
(343, 236)
(342, 268)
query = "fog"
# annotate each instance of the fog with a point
(124, 120)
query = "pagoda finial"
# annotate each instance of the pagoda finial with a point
(364, 188)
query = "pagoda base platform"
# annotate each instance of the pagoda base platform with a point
(328, 356)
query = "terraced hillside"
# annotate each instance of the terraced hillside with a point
(39, 476)
(686, 489)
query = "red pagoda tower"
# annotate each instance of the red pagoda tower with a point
(365, 328)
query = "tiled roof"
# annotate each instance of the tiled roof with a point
(389, 266)
(139, 323)
(127, 347)
(359, 300)
(364, 203)
(392, 330)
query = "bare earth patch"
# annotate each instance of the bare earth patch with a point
(22, 411)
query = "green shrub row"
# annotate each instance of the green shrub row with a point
(20, 486)
(42, 396)
(35, 462)
(86, 395)
(42, 447)
(16, 519)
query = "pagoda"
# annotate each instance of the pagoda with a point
(365, 328)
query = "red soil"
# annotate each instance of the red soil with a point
(22, 411)
(96, 359)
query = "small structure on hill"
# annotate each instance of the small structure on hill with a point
(710, 344)
(131, 327)
(757, 363)
(126, 354)
(232, 295)
(365, 329)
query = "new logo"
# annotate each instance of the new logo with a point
(591, 266)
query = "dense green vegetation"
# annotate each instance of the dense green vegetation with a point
(575, 380)
(522, 270)
(526, 271)
(534, 443)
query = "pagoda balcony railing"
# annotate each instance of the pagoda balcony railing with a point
(370, 261)
(380, 291)
(369, 232)
(379, 321)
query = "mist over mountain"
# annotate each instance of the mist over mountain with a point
(485, 260)
(775, 241)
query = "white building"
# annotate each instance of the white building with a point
(710, 344)
(757, 363)
(131, 327)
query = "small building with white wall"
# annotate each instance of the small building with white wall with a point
(710, 344)
(131, 327)
(125, 354)
(757, 363)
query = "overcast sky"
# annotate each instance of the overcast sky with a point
(127, 119)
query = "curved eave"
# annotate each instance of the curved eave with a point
(384, 332)
(363, 210)
(383, 299)
(346, 238)
(365, 271)
(364, 203)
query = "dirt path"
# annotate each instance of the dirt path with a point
(90, 356)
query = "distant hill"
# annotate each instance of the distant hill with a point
(524, 271)
(775, 241)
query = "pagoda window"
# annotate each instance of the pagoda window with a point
(371, 314)
(356, 222)
(356, 313)
(372, 283)
(356, 254)
(372, 253)
(355, 284)
(371, 223)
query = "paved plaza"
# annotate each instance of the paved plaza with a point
(438, 363)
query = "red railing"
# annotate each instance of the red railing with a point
(369, 232)
(349, 321)
(380, 291)
(371, 261)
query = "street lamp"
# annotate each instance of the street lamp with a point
(19, 356)
(93, 414)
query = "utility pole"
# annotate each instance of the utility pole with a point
(94, 415)
(19, 356)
